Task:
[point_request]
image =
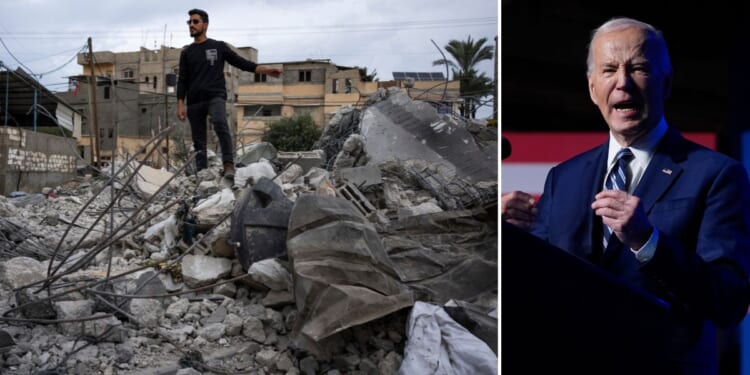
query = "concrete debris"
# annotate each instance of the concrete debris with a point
(397, 128)
(201, 270)
(343, 123)
(148, 180)
(363, 176)
(252, 173)
(254, 152)
(21, 271)
(310, 262)
(166, 230)
(305, 159)
(352, 154)
(210, 211)
(271, 273)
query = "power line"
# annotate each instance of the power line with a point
(40, 75)
(14, 57)
(278, 30)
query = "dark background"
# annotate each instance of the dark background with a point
(543, 47)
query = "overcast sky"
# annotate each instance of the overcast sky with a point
(382, 35)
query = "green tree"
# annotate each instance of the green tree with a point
(473, 85)
(298, 133)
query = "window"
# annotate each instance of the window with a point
(154, 82)
(335, 86)
(143, 110)
(261, 110)
(305, 75)
(110, 133)
(147, 77)
(260, 77)
(106, 92)
(127, 73)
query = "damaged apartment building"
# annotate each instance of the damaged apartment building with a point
(135, 96)
(374, 253)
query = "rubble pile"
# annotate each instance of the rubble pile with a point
(368, 255)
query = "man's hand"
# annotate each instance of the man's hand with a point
(180, 110)
(625, 215)
(273, 72)
(518, 209)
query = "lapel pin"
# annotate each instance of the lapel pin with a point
(667, 171)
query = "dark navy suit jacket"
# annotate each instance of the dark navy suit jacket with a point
(699, 200)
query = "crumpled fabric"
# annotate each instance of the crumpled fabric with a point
(437, 345)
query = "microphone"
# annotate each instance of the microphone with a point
(506, 148)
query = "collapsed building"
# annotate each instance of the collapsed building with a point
(376, 253)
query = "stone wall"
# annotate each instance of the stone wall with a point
(30, 161)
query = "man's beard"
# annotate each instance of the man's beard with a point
(196, 33)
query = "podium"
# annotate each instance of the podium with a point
(562, 313)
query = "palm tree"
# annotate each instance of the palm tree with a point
(370, 77)
(467, 54)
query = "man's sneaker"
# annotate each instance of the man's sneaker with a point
(229, 170)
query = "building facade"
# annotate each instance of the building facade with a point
(135, 97)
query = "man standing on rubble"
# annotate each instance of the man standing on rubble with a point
(201, 79)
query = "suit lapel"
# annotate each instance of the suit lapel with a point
(662, 171)
(598, 167)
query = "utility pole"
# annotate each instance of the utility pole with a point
(92, 108)
(166, 123)
(164, 83)
(497, 89)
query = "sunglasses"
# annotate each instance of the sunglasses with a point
(194, 21)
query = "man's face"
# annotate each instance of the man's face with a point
(626, 81)
(196, 25)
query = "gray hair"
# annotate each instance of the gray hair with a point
(616, 24)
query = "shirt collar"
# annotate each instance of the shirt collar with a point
(642, 150)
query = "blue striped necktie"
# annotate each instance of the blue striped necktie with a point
(617, 180)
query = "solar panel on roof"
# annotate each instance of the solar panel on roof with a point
(419, 76)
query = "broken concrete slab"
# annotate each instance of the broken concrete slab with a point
(342, 275)
(353, 153)
(201, 270)
(209, 211)
(398, 128)
(305, 159)
(252, 153)
(73, 310)
(363, 176)
(149, 180)
(445, 255)
(271, 273)
(20, 271)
